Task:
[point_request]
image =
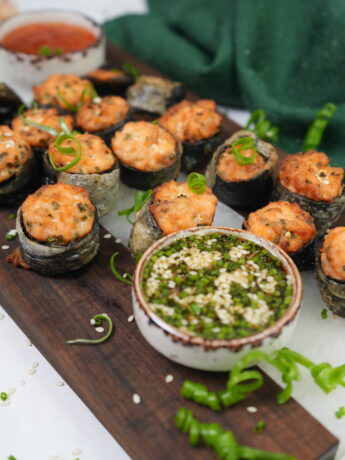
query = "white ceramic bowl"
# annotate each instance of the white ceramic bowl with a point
(205, 354)
(28, 70)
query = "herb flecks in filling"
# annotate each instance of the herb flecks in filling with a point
(217, 286)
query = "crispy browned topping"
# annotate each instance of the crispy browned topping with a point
(101, 113)
(14, 152)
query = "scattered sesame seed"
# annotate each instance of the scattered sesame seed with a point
(252, 409)
(5, 403)
(136, 398)
(60, 383)
(12, 232)
(22, 383)
(29, 343)
(32, 371)
(169, 378)
(92, 322)
(35, 365)
(107, 236)
(130, 318)
(96, 100)
(99, 329)
(10, 391)
(4, 247)
(125, 275)
(2, 316)
(76, 452)
(118, 240)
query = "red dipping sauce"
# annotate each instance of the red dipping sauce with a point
(31, 38)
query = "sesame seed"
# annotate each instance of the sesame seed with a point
(107, 236)
(92, 322)
(10, 391)
(60, 383)
(76, 452)
(32, 371)
(118, 240)
(2, 316)
(29, 343)
(12, 232)
(252, 409)
(5, 403)
(35, 365)
(130, 318)
(99, 329)
(169, 378)
(136, 398)
(4, 247)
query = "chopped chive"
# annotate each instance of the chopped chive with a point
(11, 457)
(140, 198)
(315, 131)
(324, 313)
(197, 183)
(11, 216)
(340, 412)
(259, 427)
(132, 70)
(47, 51)
(154, 122)
(124, 279)
(10, 236)
(4, 396)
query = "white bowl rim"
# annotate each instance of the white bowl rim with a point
(237, 343)
(37, 57)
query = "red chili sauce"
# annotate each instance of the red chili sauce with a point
(32, 38)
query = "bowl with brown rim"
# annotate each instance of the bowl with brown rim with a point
(213, 354)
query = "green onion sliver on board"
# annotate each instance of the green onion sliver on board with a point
(222, 442)
(3, 396)
(132, 70)
(196, 182)
(259, 427)
(71, 151)
(315, 131)
(244, 143)
(125, 280)
(41, 127)
(140, 198)
(96, 321)
(263, 128)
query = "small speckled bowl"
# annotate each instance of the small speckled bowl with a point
(216, 354)
(27, 69)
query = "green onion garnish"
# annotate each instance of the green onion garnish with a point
(131, 69)
(11, 216)
(11, 457)
(263, 128)
(259, 427)
(96, 321)
(222, 442)
(4, 396)
(154, 122)
(125, 280)
(340, 412)
(23, 107)
(316, 129)
(244, 143)
(196, 182)
(10, 236)
(71, 151)
(46, 51)
(45, 128)
(89, 90)
(140, 199)
(324, 313)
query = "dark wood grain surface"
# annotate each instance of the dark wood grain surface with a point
(53, 310)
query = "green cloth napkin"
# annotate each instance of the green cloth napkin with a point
(286, 57)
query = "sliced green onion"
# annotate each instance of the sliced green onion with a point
(315, 131)
(263, 128)
(45, 128)
(46, 51)
(137, 257)
(259, 427)
(23, 107)
(89, 90)
(324, 313)
(244, 143)
(11, 216)
(140, 198)
(11, 457)
(97, 321)
(10, 236)
(68, 105)
(64, 126)
(71, 151)
(340, 412)
(196, 182)
(131, 69)
(4, 396)
(154, 122)
(125, 280)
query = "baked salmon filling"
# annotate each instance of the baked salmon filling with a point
(229, 169)
(47, 117)
(311, 176)
(64, 91)
(59, 213)
(175, 207)
(101, 113)
(14, 153)
(96, 157)
(333, 254)
(192, 121)
(285, 224)
(145, 146)
(105, 75)
(216, 286)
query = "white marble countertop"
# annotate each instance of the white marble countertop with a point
(46, 420)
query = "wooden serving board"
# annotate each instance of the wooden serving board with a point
(53, 310)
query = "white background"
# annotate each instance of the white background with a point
(45, 421)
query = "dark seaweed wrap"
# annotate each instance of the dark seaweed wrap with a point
(116, 86)
(154, 97)
(332, 290)
(197, 154)
(145, 230)
(252, 193)
(10, 103)
(16, 188)
(324, 213)
(55, 259)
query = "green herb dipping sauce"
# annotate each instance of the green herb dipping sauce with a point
(216, 286)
